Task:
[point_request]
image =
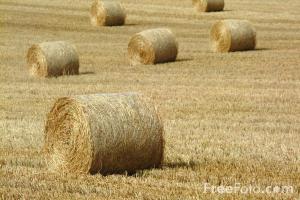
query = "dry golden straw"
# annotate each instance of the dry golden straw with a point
(232, 35)
(53, 59)
(107, 13)
(153, 46)
(103, 133)
(209, 5)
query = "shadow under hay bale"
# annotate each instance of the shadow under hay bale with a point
(153, 46)
(232, 35)
(107, 13)
(51, 59)
(184, 59)
(209, 5)
(87, 73)
(103, 133)
(176, 165)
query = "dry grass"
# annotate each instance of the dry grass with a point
(232, 35)
(153, 46)
(49, 59)
(209, 5)
(107, 13)
(228, 117)
(104, 133)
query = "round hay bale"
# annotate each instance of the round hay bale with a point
(103, 133)
(107, 13)
(53, 59)
(232, 35)
(153, 46)
(209, 5)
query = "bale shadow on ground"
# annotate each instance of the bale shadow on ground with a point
(131, 24)
(262, 49)
(176, 165)
(183, 59)
(86, 73)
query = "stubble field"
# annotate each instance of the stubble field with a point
(229, 118)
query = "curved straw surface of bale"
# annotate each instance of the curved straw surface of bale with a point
(209, 5)
(153, 46)
(232, 35)
(107, 13)
(106, 133)
(52, 59)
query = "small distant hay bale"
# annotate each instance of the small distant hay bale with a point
(153, 46)
(103, 133)
(233, 35)
(50, 59)
(107, 13)
(209, 5)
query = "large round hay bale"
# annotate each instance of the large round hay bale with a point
(53, 59)
(153, 46)
(209, 5)
(232, 35)
(103, 133)
(107, 13)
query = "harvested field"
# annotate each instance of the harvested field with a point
(228, 118)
